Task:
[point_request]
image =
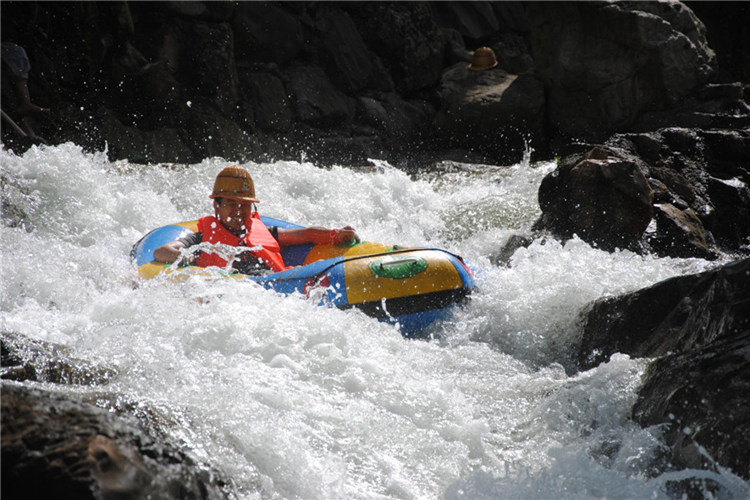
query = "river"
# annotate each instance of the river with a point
(291, 400)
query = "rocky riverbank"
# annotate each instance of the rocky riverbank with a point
(341, 82)
(644, 104)
(55, 446)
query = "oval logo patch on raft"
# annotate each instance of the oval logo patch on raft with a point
(418, 271)
(398, 268)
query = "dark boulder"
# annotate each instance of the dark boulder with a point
(25, 359)
(701, 401)
(698, 388)
(676, 315)
(601, 195)
(56, 447)
(705, 175)
(680, 233)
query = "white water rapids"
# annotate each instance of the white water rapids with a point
(291, 400)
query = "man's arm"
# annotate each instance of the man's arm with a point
(315, 234)
(169, 252)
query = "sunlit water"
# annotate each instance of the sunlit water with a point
(291, 400)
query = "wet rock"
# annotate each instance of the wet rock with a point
(216, 136)
(602, 196)
(680, 233)
(162, 145)
(265, 100)
(680, 188)
(208, 65)
(697, 389)
(605, 64)
(704, 171)
(701, 401)
(677, 315)
(513, 243)
(731, 201)
(25, 359)
(56, 447)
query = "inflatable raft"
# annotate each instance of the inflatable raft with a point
(409, 287)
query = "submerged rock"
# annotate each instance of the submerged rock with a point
(25, 359)
(681, 233)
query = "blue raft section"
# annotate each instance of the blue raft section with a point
(408, 287)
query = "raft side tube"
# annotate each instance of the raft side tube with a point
(143, 250)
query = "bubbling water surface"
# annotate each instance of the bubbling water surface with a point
(291, 400)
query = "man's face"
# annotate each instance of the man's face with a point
(233, 213)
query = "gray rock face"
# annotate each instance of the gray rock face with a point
(56, 447)
(607, 63)
(493, 110)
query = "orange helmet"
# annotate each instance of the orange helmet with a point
(234, 182)
(484, 58)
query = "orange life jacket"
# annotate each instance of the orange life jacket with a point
(257, 235)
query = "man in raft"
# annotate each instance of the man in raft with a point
(236, 224)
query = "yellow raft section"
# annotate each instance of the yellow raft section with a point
(363, 286)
